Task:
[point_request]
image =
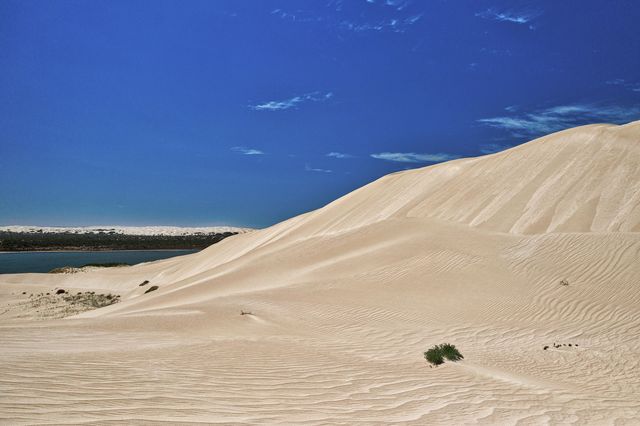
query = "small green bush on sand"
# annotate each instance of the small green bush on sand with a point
(437, 354)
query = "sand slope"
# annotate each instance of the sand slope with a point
(345, 300)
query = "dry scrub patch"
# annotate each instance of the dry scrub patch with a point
(57, 304)
(88, 267)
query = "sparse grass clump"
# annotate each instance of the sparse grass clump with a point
(58, 305)
(74, 270)
(437, 354)
(91, 300)
(63, 270)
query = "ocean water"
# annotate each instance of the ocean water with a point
(19, 262)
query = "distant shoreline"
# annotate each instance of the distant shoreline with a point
(93, 251)
(103, 242)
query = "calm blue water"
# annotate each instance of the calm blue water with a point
(13, 263)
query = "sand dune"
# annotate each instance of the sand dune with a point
(345, 299)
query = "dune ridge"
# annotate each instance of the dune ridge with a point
(345, 299)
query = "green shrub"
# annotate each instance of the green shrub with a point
(434, 356)
(450, 352)
(437, 354)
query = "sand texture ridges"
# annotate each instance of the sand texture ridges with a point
(344, 300)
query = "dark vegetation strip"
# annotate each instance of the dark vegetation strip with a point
(47, 241)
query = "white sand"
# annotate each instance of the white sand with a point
(345, 300)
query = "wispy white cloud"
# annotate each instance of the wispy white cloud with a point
(496, 52)
(339, 155)
(297, 16)
(398, 4)
(561, 117)
(292, 102)
(396, 25)
(335, 5)
(391, 16)
(412, 157)
(246, 151)
(616, 82)
(491, 148)
(516, 17)
(413, 19)
(634, 87)
(313, 169)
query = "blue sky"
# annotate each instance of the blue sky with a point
(249, 112)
